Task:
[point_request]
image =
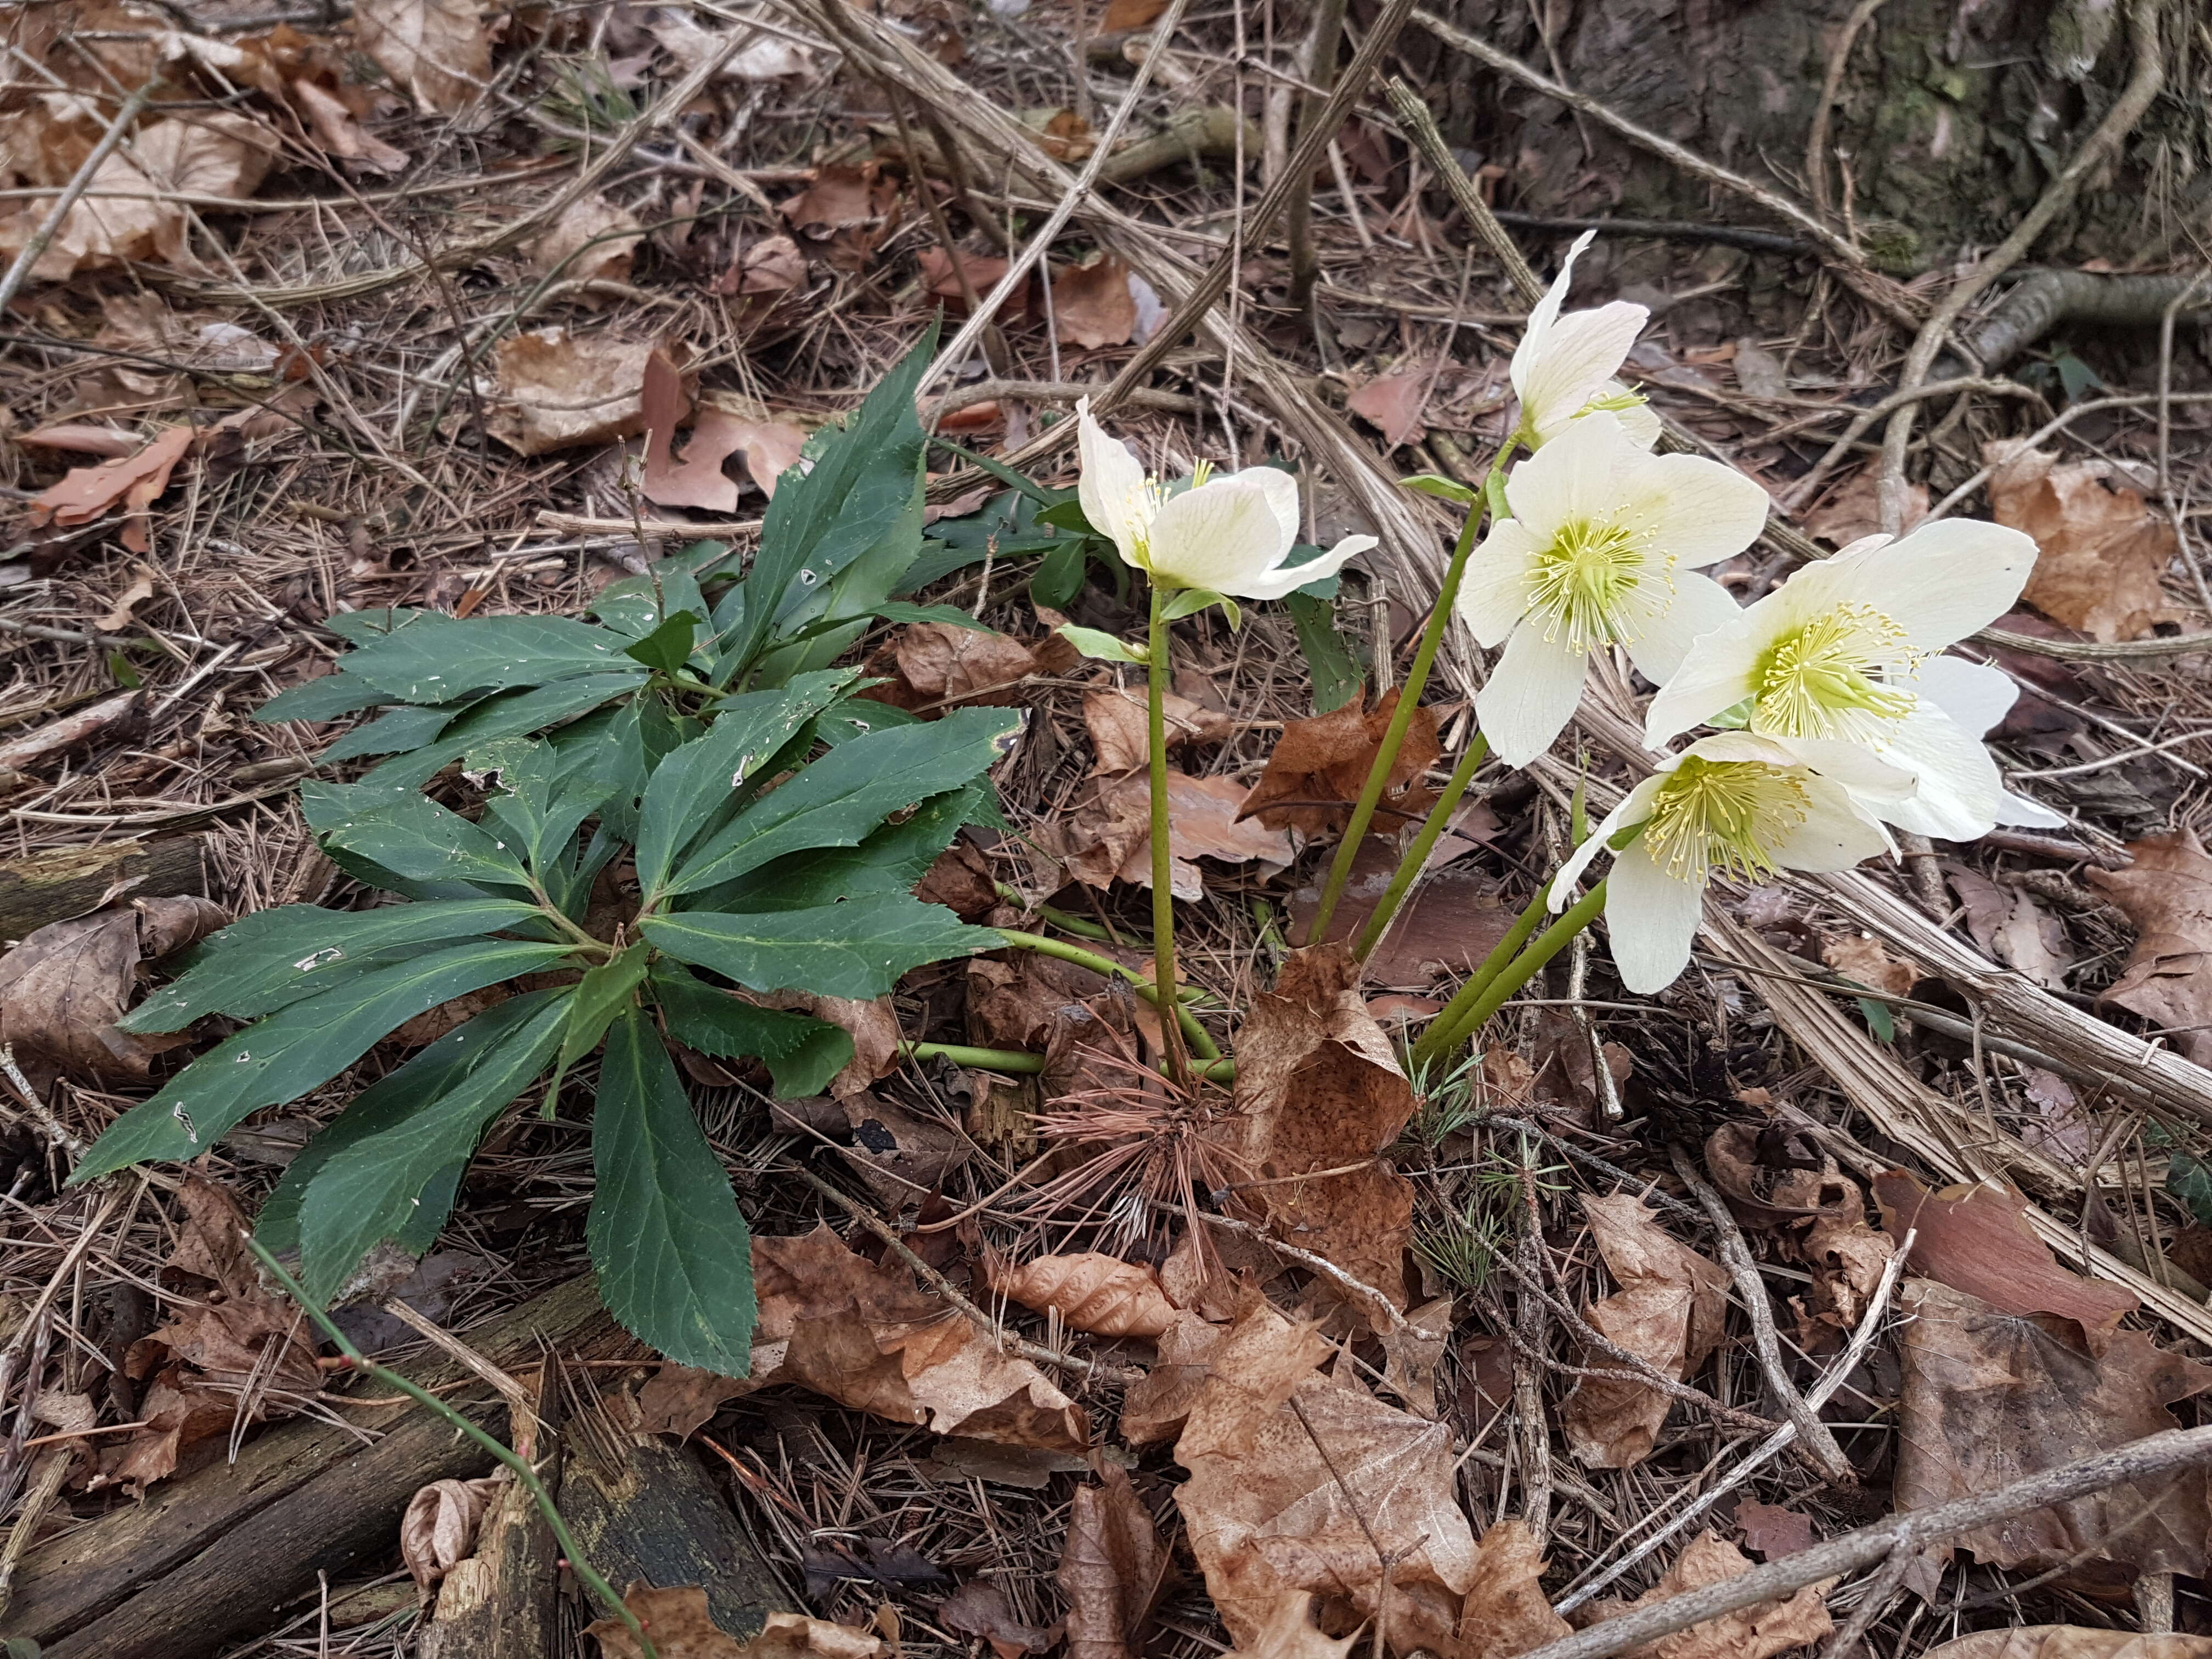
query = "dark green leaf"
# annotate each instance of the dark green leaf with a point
(408, 834)
(324, 699)
(636, 605)
(895, 610)
(606, 989)
(1336, 676)
(840, 798)
(360, 627)
(299, 1047)
(672, 1251)
(1059, 575)
(857, 949)
(484, 653)
(372, 1188)
(548, 793)
(749, 731)
(271, 958)
(2188, 1180)
(394, 733)
(1068, 515)
(999, 470)
(891, 860)
(535, 710)
(388, 1103)
(668, 648)
(802, 1054)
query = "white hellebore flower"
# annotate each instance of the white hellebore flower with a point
(1602, 550)
(1732, 804)
(1229, 532)
(1564, 367)
(1842, 655)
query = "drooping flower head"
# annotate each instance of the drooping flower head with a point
(1229, 532)
(1844, 655)
(1565, 365)
(1729, 805)
(1602, 549)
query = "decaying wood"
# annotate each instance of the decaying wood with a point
(501, 1602)
(642, 1507)
(218, 1554)
(68, 881)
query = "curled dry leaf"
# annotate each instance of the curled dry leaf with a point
(557, 389)
(437, 52)
(1319, 1090)
(763, 273)
(930, 663)
(1393, 404)
(592, 240)
(63, 989)
(843, 212)
(2102, 550)
(1107, 836)
(1848, 1258)
(1670, 1312)
(1507, 1612)
(1763, 1175)
(131, 482)
(438, 1530)
(1090, 1292)
(2070, 1641)
(2167, 893)
(335, 124)
(1321, 763)
(1117, 721)
(681, 1628)
(1975, 1237)
(1862, 957)
(1754, 1633)
(1093, 305)
(1112, 1569)
(898, 1152)
(1990, 1398)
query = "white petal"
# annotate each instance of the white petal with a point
(1869, 777)
(1698, 510)
(1538, 328)
(1579, 354)
(1716, 674)
(1222, 535)
(1282, 492)
(1640, 422)
(1652, 919)
(1112, 488)
(1836, 833)
(1572, 478)
(1976, 696)
(1531, 695)
(1736, 746)
(1946, 579)
(2030, 814)
(1288, 579)
(1959, 792)
(1665, 632)
(1634, 808)
(1494, 592)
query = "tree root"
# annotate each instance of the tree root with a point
(2044, 299)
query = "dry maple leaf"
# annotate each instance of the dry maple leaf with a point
(1320, 764)
(1990, 1398)
(1157, 1404)
(1319, 1089)
(1393, 404)
(437, 52)
(1112, 1569)
(1119, 734)
(1092, 304)
(2103, 551)
(63, 985)
(681, 1628)
(2167, 893)
(1090, 1292)
(1668, 1311)
(2070, 1641)
(1752, 1633)
(558, 390)
(439, 1527)
(1506, 1612)
(1287, 1630)
(1975, 1237)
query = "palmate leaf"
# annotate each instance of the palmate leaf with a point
(484, 653)
(265, 960)
(801, 1053)
(408, 834)
(298, 1047)
(381, 1185)
(857, 949)
(673, 1255)
(840, 798)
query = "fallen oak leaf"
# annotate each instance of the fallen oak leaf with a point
(1092, 1292)
(2102, 550)
(680, 1627)
(131, 482)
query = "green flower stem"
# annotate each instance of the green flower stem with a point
(1549, 944)
(1417, 855)
(1202, 1042)
(520, 1465)
(1425, 1052)
(1409, 698)
(1156, 722)
(1012, 1061)
(1059, 919)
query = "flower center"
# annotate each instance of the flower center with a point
(1830, 678)
(1583, 582)
(1722, 816)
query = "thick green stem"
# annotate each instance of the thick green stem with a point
(514, 1461)
(1059, 919)
(1549, 944)
(1401, 717)
(1449, 1015)
(1156, 721)
(1196, 1035)
(1012, 1061)
(1417, 855)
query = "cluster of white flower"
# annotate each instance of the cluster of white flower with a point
(1842, 717)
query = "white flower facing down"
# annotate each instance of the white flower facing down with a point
(1730, 804)
(1229, 532)
(1601, 550)
(1564, 367)
(1842, 656)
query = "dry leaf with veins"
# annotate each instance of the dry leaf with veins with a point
(681, 1628)
(591, 240)
(1287, 1630)
(64, 986)
(1107, 836)
(1319, 766)
(1092, 304)
(1507, 1612)
(2167, 893)
(1668, 1311)
(2070, 1641)
(1092, 1292)
(1112, 1569)
(559, 390)
(2103, 551)
(437, 52)
(1975, 1237)
(1120, 738)
(1753, 1632)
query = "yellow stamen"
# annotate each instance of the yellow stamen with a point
(1583, 581)
(1724, 817)
(1831, 677)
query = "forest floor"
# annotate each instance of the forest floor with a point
(361, 317)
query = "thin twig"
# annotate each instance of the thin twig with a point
(43, 237)
(1816, 142)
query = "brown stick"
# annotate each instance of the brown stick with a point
(2134, 1462)
(1297, 222)
(1421, 128)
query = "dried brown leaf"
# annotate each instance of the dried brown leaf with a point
(979, 1608)
(1393, 404)
(2070, 1641)
(1853, 509)
(899, 1152)
(1091, 1292)
(1092, 304)
(1453, 920)
(1762, 1174)
(338, 129)
(1975, 1237)
(1753, 1632)
(681, 1628)
(591, 240)
(842, 213)
(1108, 835)
(64, 986)
(677, 1399)
(131, 483)
(943, 662)
(1990, 1398)
(1117, 721)
(2103, 551)
(1155, 1407)
(1284, 1629)
(940, 280)
(1112, 1569)
(1774, 1529)
(1865, 958)
(558, 390)
(1506, 1611)
(1668, 1311)
(437, 52)
(438, 1530)
(1320, 765)
(2166, 891)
